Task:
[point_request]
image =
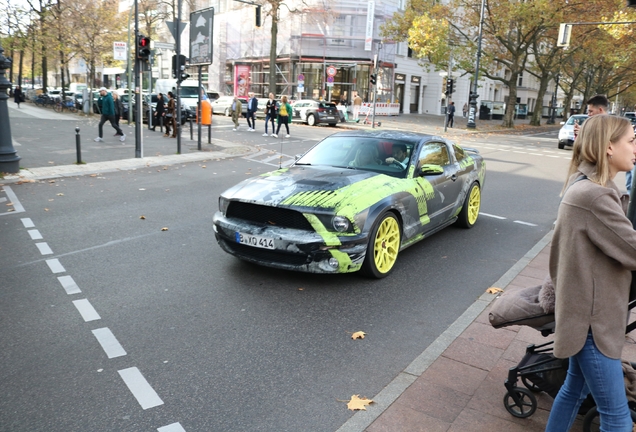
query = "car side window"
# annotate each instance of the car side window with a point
(459, 153)
(433, 153)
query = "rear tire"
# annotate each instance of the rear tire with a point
(470, 210)
(383, 247)
(311, 120)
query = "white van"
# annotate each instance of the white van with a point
(77, 87)
(189, 94)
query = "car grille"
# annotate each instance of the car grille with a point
(273, 256)
(268, 215)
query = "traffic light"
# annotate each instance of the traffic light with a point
(183, 75)
(373, 79)
(182, 61)
(258, 16)
(143, 47)
(449, 86)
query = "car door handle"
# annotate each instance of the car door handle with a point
(454, 177)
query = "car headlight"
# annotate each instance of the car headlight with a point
(223, 204)
(340, 223)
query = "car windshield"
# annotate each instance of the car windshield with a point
(579, 119)
(189, 92)
(362, 153)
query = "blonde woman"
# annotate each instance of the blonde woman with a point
(592, 255)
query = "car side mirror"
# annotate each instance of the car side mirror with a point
(429, 169)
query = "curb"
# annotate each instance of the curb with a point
(362, 419)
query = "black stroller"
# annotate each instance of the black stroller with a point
(538, 370)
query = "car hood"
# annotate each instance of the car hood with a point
(339, 190)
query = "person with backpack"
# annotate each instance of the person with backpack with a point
(284, 116)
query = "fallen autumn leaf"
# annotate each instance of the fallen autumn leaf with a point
(358, 335)
(494, 290)
(358, 403)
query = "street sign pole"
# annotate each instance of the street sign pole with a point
(138, 121)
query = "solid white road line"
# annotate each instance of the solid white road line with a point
(55, 266)
(87, 310)
(17, 207)
(140, 388)
(174, 427)
(492, 216)
(35, 234)
(109, 342)
(44, 248)
(27, 222)
(69, 285)
(525, 223)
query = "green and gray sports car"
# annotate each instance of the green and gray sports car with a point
(352, 203)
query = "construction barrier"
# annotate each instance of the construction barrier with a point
(381, 109)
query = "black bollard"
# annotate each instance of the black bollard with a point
(78, 145)
(191, 129)
(210, 133)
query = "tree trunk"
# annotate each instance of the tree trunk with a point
(272, 54)
(20, 68)
(44, 70)
(508, 120)
(536, 115)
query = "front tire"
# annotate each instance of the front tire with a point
(227, 112)
(561, 145)
(383, 248)
(470, 210)
(311, 120)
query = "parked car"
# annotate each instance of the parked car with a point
(212, 95)
(315, 112)
(224, 103)
(566, 134)
(352, 203)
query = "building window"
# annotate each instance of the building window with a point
(409, 52)
(520, 83)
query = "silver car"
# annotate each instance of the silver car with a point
(566, 134)
(223, 105)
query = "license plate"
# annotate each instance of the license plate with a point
(328, 118)
(255, 241)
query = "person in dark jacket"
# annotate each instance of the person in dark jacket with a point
(252, 106)
(108, 114)
(271, 109)
(171, 121)
(17, 95)
(119, 108)
(159, 114)
(451, 115)
(592, 257)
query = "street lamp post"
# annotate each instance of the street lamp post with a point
(554, 101)
(473, 94)
(9, 159)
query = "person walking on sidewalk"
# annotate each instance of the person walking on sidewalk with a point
(159, 113)
(119, 107)
(107, 105)
(252, 106)
(170, 117)
(284, 116)
(17, 95)
(271, 109)
(592, 255)
(451, 114)
(357, 103)
(236, 109)
(465, 109)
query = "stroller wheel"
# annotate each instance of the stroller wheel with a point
(591, 421)
(526, 406)
(530, 385)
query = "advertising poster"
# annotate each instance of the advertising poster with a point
(241, 80)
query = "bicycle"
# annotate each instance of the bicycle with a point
(66, 105)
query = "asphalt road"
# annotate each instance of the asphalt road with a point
(201, 339)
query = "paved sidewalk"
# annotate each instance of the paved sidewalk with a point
(462, 387)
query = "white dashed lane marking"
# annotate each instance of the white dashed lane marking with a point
(140, 388)
(525, 223)
(109, 342)
(27, 222)
(504, 218)
(55, 266)
(35, 234)
(17, 207)
(44, 248)
(69, 285)
(86, 310)
(492, 216)
(174, 427)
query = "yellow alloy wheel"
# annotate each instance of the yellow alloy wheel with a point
(474, 203)
(386, 244)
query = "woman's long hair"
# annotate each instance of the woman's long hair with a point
(592, 142)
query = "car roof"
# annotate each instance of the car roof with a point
(389, 134)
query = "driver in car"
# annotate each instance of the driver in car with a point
(399, 156)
